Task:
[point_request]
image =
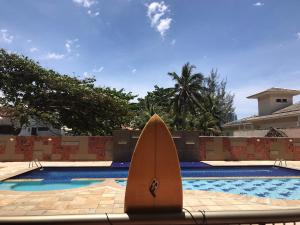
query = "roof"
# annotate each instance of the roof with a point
(275, 91)
(291, 108)
(238, 122)
(290, 111)
(273, 132)
(275, 116)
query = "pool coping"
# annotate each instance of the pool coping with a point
(21, 180)
(16, 173)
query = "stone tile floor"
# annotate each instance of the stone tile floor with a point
(108, 197)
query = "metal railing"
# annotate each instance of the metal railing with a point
(223, 217)
(280, 162)
(36, 163)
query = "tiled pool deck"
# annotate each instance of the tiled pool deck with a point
(108, 197)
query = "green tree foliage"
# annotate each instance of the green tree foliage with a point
(195, 103)
(186, 94)
(157, 101)
(60, 100)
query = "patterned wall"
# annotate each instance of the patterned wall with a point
(55, 148)
(189, 146)
(236, 148)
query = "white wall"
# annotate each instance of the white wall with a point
(267, 105)
(27, 130)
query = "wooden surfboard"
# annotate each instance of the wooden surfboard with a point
(154, 180)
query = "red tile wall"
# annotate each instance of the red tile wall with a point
(21, 148)
(236, 148)
(18, 148)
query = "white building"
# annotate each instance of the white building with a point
(33, 128)
(276, 109)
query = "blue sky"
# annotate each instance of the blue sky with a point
(131, 44)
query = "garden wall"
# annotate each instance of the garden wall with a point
(80, 148)
(243, 148)
(120, 146)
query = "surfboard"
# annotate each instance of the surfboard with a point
(154, 180)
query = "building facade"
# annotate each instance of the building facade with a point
(276, 109)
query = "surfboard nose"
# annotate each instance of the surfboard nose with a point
(155, 118)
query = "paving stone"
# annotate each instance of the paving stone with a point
(108, 197)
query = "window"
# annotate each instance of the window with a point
(281, 100)
(33, 131)
(43, 128)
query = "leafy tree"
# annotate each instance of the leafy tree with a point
(60, 100)
(218, 102)
(157, 101)
(186, 93)
(195, 103)
(30, 91)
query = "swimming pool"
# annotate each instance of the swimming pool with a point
(69, 173)
(281, 186)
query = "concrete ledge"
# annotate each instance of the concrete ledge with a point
(225, 217)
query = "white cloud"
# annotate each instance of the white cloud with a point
(258, 4)
(156, 11)
(5, 36)
(89, 5)
(85, 3)
(33, 49)
(70, 45)
(53, 55)
(173, 42)
(133, 71)
(164, 25)
(298, 35)
(13, 52)
(87, 75)
(29, 41)
(93, 14)
(98, 70)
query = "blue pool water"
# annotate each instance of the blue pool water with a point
(44, 186)
(67, 173)
(267, 188)
(182, 164)
(57, 178)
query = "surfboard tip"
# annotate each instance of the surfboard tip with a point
(155, 117)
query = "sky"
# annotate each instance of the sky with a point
(131, 44)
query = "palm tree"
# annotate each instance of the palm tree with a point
(186, 92)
